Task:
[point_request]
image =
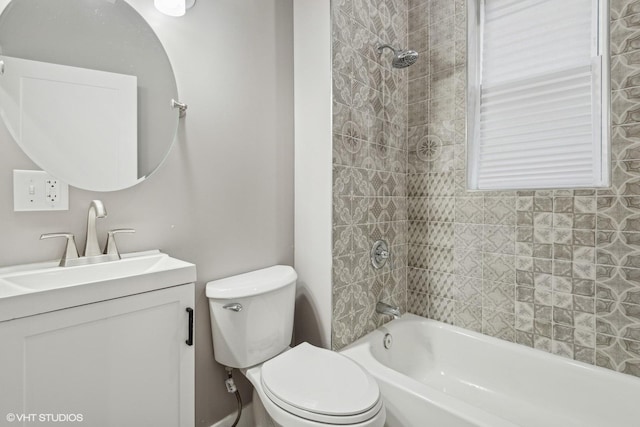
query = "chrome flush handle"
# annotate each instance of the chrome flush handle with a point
(237, 307)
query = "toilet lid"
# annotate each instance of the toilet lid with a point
(308, 380)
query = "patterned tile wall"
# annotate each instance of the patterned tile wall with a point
(554, 270)
(369, 163)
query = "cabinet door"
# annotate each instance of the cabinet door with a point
(118, 363)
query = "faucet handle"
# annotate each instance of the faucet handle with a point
(111, 248)
(70, 250)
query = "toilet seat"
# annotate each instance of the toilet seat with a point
(342, 392)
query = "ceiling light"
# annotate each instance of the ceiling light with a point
(173, 7)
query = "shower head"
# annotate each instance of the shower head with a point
(401, 58)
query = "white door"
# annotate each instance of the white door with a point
(118, 363)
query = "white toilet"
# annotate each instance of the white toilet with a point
(252, 323)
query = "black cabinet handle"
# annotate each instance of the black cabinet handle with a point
(190, 340)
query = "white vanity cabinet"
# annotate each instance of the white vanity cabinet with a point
(119, 362)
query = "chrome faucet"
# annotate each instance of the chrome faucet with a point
(92, 252)
(384, 308)
(96, 210)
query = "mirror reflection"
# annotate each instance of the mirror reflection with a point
(86, 90)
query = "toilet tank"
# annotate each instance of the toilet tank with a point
(252, 315)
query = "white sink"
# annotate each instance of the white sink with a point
(37, 288)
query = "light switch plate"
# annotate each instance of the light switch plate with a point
(39, 191)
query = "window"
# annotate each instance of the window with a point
(538, 94)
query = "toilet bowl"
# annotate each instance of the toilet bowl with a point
(252, 323)
(310, 386)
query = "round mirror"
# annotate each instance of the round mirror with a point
(86, 90)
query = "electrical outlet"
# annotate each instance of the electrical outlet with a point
(38, 191)
(52, 191)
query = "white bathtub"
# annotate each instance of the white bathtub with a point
(437, 375)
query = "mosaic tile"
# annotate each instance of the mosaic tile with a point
(618, 249)
(468, 290)
(342, 333)
(624, 35)
(618, 319)
(441, 184)
(562, 316)
(499, 210)
(418, 185)
(441, 57)
(544, 282)
(545, 204)
(468, 263)
(418, 255)
(418, 232)
(418, 303)
(469, 236)
(584, 270)
(543, 329)
(379, 209)
(498, 268)
(584, 354)
(441, 309)
(542, 219)
(562, 349)
(422, 66)
(623, 8)
(625, 106)
(618, 354)
(557, 270)
(498, 324)
(625, 142)
(498, 296)
(562, 301)
(524, 263)
(499, 239)
(584, 204)
(440, 10)
(525, 294)
(459, 164)
(585, 321)
(469, 210)
(546, 266)
(440, 234)
(524, 202)
(442, 285)
(417, 280)
(418, 39)
(524, 218)
(342, 240)
(563, 220)
(391, 232)
(524, 317)
(440, 259)
(418, 209)
(468, 316)
(524, 338)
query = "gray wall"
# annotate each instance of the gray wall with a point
(224, 198)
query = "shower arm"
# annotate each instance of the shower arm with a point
(386, 46)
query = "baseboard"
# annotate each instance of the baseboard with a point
(246, 420)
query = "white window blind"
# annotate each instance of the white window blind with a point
(539, 106)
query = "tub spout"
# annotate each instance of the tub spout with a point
(384, 308)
